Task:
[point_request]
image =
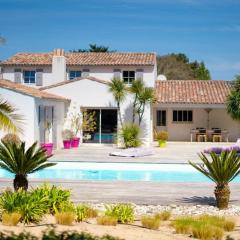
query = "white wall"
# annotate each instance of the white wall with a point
(181, 131)
(8, 73)
(58, 118)
(91, 94)
(25, 105)
(101, 72)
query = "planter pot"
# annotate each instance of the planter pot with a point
(48, 147)
(162, 143)
(75, 142)
(67, 144)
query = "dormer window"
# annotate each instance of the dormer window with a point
(74, 74)
(128, 76)
(29, 77)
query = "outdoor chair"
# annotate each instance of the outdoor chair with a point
(217, 135)
(201, 135)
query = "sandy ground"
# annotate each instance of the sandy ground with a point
(127, 232)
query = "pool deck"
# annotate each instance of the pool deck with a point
(152, 193)
(175, 152)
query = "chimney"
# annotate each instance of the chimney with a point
(58, 66)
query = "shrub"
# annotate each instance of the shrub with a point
(183, 225)
(52, 235)
(11, 138)
(11, 219)
(123, 212)
(84, 211)
(65, 218)
(30, 206)
(150, 222)
(107, 220)
(204, 227)
(130, 135)
(164, 216)
(67, 134)
(55, 196)
(161, 135)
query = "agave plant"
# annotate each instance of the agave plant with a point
(16, 159)
(221, 169)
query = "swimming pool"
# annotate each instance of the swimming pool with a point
(118, 172)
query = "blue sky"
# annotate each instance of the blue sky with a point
(207, 30)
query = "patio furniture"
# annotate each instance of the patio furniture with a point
(201, 136)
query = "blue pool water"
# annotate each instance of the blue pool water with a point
(119, 172)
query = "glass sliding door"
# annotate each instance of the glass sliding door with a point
(106, 126)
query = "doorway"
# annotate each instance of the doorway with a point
(105, 130)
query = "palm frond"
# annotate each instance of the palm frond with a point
(9, 119)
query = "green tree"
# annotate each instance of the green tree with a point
(146, 96)
(136, 88)
(119, 91)
(177, 66)
(9, 119)
(20, 161)
(200, 71)
(221, 169)
(233, 100)
(94, 48)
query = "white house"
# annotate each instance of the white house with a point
(63, 81)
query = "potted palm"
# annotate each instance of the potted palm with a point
(20, 161)
(162, 137)
(67, 135)
(221, 169)
(48, 145)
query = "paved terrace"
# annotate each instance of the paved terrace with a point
(138, 192)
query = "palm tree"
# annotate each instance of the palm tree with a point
(15, 159)
(9, 120)
(136, 88)
(221, 169)
(233, 100)
(146, 96)
(119, 92)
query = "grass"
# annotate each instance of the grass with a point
(11, 219)
(65, 218)
(107, 220)
(84, 212)
(204, 227)
(163, 216)
(150, 222)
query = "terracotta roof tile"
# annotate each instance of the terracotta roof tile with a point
(86, 59)
(74, 80)
(192, 91)
(29, 90)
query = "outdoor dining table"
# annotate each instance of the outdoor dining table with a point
(209, 132)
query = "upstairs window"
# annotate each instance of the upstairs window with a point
(161, 118)
(128, 76)
(29, 77)
(74, 74)
(182, 116)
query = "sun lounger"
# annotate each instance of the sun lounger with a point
(133, 152)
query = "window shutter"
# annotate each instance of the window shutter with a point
(117, 73)
(139, 74)
(85, 72)
(17, 75)
(41, 118)
(39, 77)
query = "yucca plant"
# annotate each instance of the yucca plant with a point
(119, 91)
(21, 161)
(221, 169)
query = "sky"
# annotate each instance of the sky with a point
(205, 30)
